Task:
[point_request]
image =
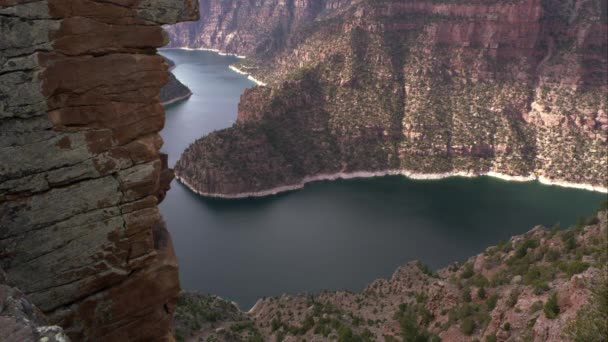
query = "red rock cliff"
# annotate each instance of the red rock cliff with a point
(81, 174)
(474, 86)
(245, 27)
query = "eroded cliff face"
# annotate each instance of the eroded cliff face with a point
(81, 174)
(424, 87)
(250, 27)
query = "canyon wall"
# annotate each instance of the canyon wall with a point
(472, 87)
(250, 27)
(174, 90)
(80, 173)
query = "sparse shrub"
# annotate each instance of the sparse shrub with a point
(569, 240)
(552, 255)
(591, 321)
(522, 250)
(466, 295)
(426, 269)
(573, 267)
(551, 308)
(491, 302)
(592, 220)
(513, 297)
(481, 293)
(468, 271)
(420, 297)
(540, 287)
(410, 330)
(275, 324)
(345, 334)
(467, 326)
(479, 280)
(491, 338)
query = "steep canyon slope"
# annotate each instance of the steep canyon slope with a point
(514, 88)
(80, 173)
(545, 285)
(174, 90)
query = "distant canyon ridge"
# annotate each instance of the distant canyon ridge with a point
(511, 88)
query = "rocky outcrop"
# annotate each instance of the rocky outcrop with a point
(21, 320)
(81, 174)
(532, 288)
(174, 91)
(416, 88)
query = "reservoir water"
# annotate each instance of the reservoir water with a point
(331, 235)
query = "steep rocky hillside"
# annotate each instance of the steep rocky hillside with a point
(545, 285)
(262, 27)
(174, 90)
(515, 88)
(81, 175)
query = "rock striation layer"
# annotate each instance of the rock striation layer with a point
(21, 320)
(545, 285)
(247, 28)
(424, 88)
(80, 173)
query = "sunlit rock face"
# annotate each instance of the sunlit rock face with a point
(515, 88)
(250, 27)
(81, 174)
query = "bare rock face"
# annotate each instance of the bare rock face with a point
(247, 28)
(81, 173)
(21, 320)
(516, 88)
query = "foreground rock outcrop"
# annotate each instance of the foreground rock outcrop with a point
(80, 173)
(545, 285)
(21, 320)
(418, 87)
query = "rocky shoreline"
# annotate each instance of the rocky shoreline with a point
(222, 53)
(174, 90)
(219, 52)
(249, 76)
(347, 91)
(177, 99)
(404, 173)
(534, 286)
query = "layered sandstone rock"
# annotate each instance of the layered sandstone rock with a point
(247, 28)
(417, 87)
(21, 320)
(81, 173)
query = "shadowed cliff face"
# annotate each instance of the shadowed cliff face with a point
(468, 86)
(81, 173)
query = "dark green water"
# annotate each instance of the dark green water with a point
(331, 235)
